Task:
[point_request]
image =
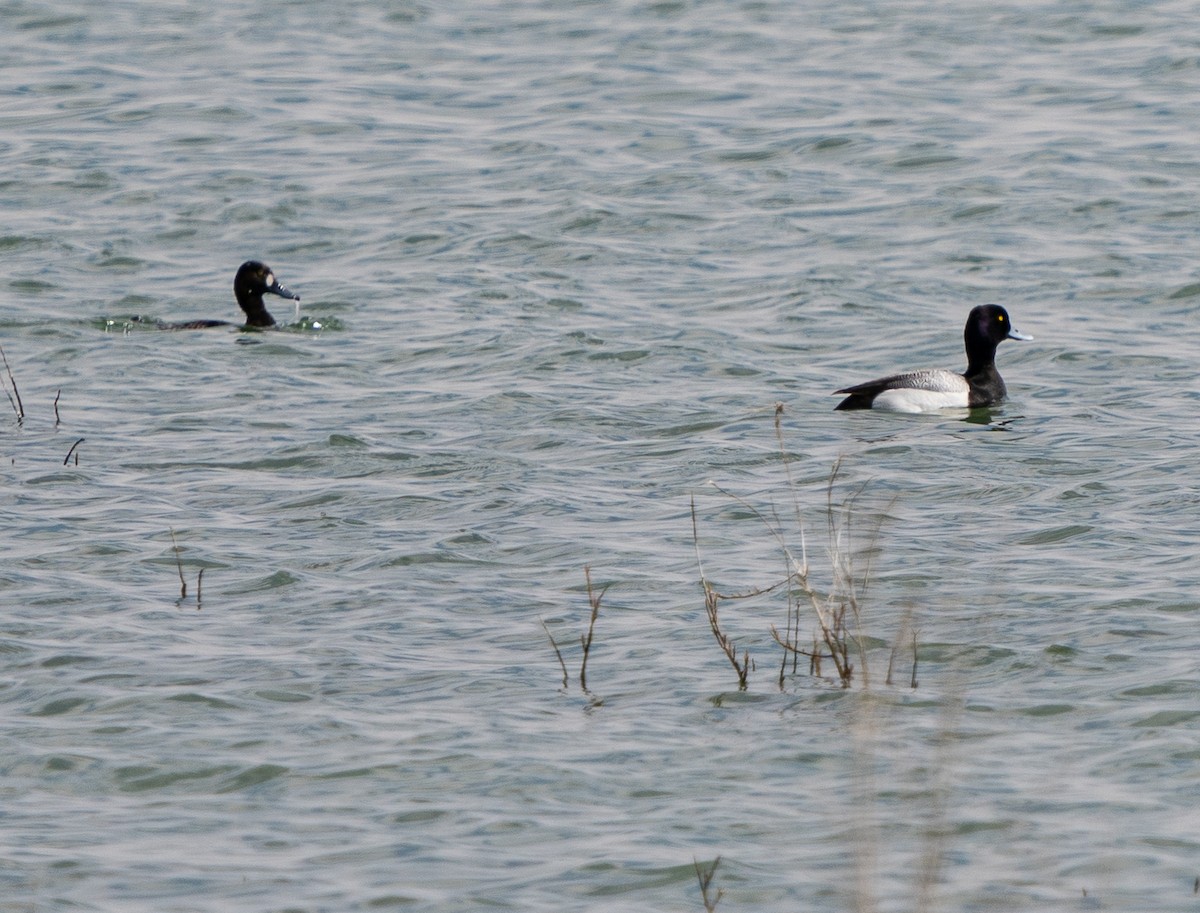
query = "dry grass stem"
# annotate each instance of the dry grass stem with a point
(557, 652)
(586, 640)
(913, 681)
(179, 567)
(713, 599)
(73, 450)
(792, 628)
(18, 406)
(904, 636)
(199, 588)
(595, 598)
(704, 875)
(837, 609)
(57, 420)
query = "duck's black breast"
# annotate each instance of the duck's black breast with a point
(987, 388)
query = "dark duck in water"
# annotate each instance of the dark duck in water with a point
(936, 388)
(253, 280)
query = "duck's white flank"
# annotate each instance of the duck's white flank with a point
(910, 399)
(924, 391)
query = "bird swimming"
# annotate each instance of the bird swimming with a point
(936, 388)
(252, 281)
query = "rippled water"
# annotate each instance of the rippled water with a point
(558, 263)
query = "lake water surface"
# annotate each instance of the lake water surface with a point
(558, 264)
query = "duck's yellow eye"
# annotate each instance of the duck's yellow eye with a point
(1000, 317)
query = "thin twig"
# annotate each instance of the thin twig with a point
(814, 654)
(696, 539)
(57, 420)
(838, 609)
(857, 593)
(913, 683)
(67, 458)
(902, 636)
(712, 601)
(848, 592)
(557, 652)
(831, 616)
(199, 587)
(792, 570)
(586, 640)
(793, 606)
(179, 567)
(18, 406)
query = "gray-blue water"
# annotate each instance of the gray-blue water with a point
(558, 263)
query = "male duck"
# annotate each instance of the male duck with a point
(253, 279)
(935, 388)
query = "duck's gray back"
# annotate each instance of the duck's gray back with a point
(935, 380)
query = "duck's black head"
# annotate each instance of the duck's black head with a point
(253, 279)
(987, 326)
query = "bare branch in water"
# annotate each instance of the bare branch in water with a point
(18, 406)
(179, 567)
(837, 608)
(586, 640)
(712, 603)
(67, 458)
(557, 652)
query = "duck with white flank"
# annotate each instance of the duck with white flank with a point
(936, 388)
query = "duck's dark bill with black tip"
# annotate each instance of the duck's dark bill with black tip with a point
(936, 388)
(253, 280)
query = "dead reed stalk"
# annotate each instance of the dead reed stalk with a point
(557, 652)
(837, 609)
(843, 602)
(586, 640)
(18, 406)
(713, 599)
(179, 567)
(595, 598)
(73, 450)
(906, 633)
